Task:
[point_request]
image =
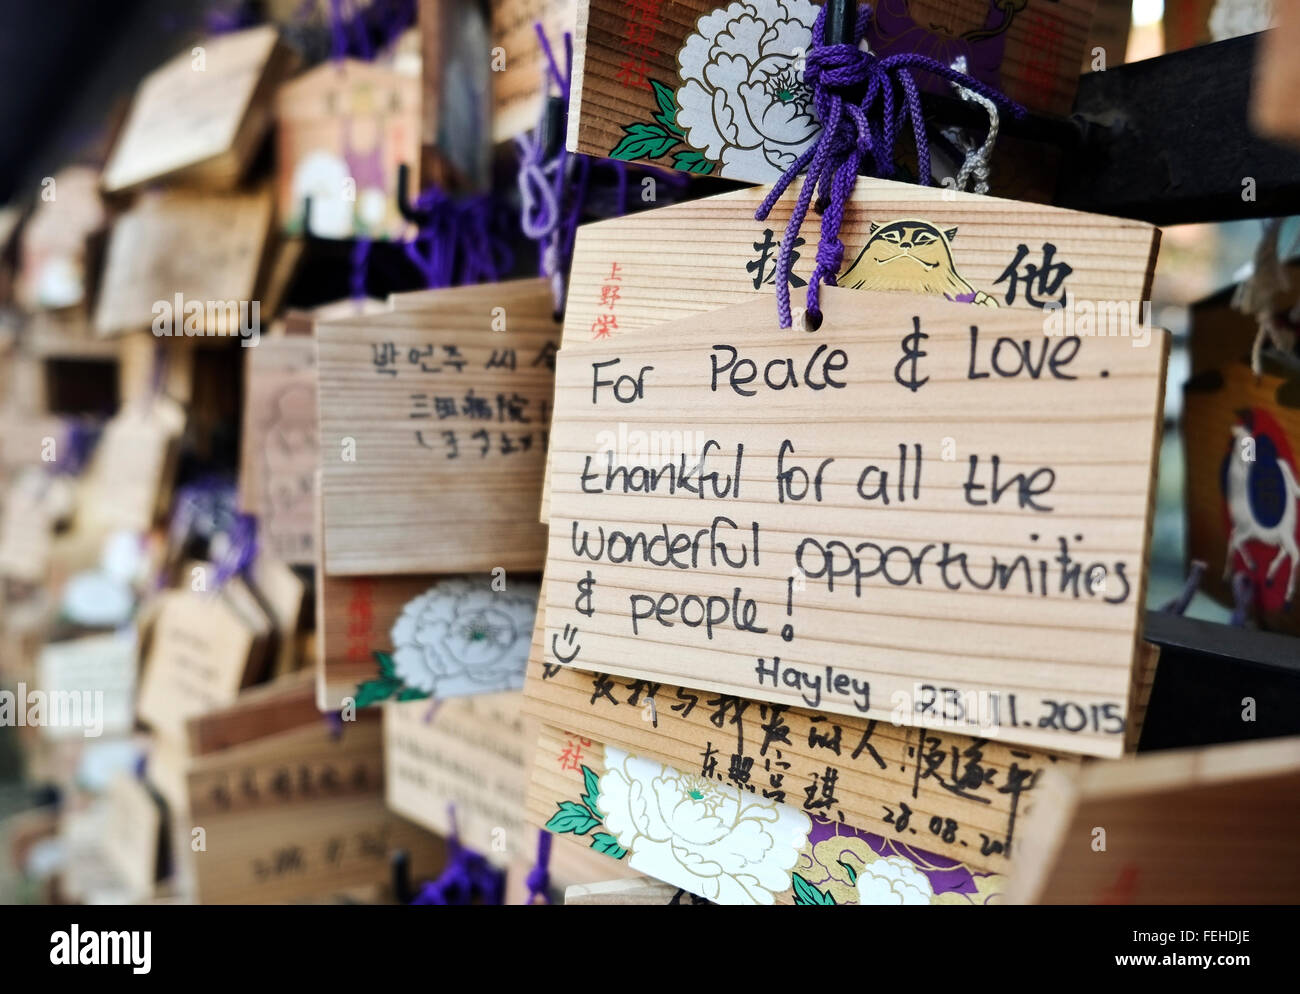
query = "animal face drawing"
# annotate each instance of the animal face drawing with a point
(912, 256)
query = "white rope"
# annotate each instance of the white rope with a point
(1260, 293)
(973, 176)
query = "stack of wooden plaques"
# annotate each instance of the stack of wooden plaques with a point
(900, 731)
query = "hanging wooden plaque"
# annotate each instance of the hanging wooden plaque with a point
(279, 447)
(718, 89)
(635, 272)
(927, 512)
(342, 130)
(201, 115)
(519, 91)
(433, 433)
(728, 844)
(201, 651)
(300, 815)
(186, 265)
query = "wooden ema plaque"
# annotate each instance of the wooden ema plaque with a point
(519, 92)
(718, 89)
(434, 431)
(635, 272)
(469, 753)
(728, 844)
(183, 264)
(134, 834)
(1198, 826)
(128, 483)
(1242, 463)
(201, 115)
(342, 130)
(278, 446)
(299, 814)
(55, 248)
(201, 651)
(902, 516)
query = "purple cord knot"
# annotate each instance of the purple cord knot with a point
(467, 878)
(862, 102)
(539, 877)
(463, 242)
(552, 191)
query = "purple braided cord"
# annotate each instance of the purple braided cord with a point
(463, 242)
(232, 17)
(78, 444)
(334, 722)
(340, 24)
(360, 268)
(204, 509)
(554, 192)
(539, 877)
(241, 548)
(850, 131)
(466, 877)
(1243, 598)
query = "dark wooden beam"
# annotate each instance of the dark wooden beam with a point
(1168, 140)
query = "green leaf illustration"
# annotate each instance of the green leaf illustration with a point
(606, 843)
(667, 101)
(806, 893)
(385, 662)
(643, 141)
(572, 817)
(412, 694)
(853, 874)
(693, 162)
(592, 796)
(374, 691)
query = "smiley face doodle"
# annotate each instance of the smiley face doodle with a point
(570, 641)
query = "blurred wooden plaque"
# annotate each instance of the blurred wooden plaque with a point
(300, 815)
(519, 93)
(201, 115)
(185, 264)
(434, 430)
(1182, 827)
(279, 448)
(343, 128)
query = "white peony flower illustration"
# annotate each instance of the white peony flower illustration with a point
(463, 637)
(743, 101)
(706, 837)
(893, 880)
